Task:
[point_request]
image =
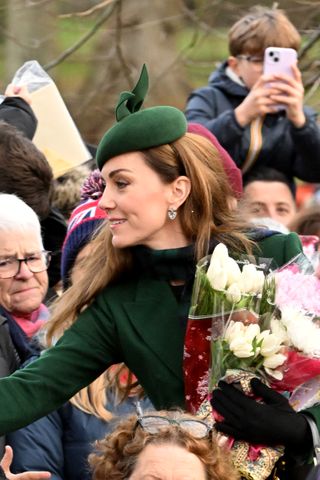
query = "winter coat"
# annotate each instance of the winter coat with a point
(61, 442)
(138, 321)
(294, 151)
(17, 112)
(14, 349)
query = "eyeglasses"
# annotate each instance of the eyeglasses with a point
(255, 59)
(37, 262)
(155, 423)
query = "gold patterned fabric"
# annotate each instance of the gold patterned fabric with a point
(260, 468)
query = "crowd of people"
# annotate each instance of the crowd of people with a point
(97, 270)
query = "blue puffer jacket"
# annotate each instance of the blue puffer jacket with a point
(294, 151)
(62, 441)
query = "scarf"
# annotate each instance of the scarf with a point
(176, 264)
(30, 323)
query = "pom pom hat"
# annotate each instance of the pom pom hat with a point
(137, 129)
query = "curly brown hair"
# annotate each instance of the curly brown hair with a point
(117, 454)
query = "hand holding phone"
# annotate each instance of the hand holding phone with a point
(279, 60)
(283, 61)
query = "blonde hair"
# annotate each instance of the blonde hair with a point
(117, 454)
(93, 398)
(204, 214)
(262, 27)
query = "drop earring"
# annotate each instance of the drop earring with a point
(172, 213)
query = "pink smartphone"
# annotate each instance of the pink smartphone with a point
(279, 60)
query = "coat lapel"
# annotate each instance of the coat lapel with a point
(155, 316)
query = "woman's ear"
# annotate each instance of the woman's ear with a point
(180, 191)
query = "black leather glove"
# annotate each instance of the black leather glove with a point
(273, 422)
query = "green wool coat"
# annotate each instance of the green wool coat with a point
(134, 322)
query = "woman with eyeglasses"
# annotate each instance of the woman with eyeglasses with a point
(23, 283)
(165, 198)
(163, 446)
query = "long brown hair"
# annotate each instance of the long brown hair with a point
(205, 213)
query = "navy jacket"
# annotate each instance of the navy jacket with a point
(62, 441)
(294, 151)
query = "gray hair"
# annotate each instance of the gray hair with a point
(17, 216)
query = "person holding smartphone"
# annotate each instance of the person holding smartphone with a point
(259, 118)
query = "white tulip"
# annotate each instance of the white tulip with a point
(248, 278)
(271, 344)
(214, 266)
(241, 347)
(233, 270)
(233, 293)
(234, 330)
(259, 281)
(218, 279)
(252, 331)
(274, 361)
(274, 373)
(220, 252)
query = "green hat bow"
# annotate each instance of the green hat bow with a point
(135, 98)
(137, 129)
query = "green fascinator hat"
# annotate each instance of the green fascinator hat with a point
(137, 129)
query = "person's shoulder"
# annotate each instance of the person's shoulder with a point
(120, 290)
(282, 247)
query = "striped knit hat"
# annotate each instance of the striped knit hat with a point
(84, 220)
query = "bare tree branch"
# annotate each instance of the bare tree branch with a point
(119, 51)
(103, 17)
(199, 25)
(88, 12)
(312, 40)
(314, 88)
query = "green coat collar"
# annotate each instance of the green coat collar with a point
(155, 316)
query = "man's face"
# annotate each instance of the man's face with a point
(248, 67)
(269, 199)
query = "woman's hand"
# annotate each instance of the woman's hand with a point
(6, 463)
(273, 422)
(16, 91)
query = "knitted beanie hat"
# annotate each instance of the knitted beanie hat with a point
(84, 220)
(233, 172)
(137, 129)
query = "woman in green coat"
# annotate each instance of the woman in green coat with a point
(165, 199)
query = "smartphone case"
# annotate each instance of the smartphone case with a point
(279, 60)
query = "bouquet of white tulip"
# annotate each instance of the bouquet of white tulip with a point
(223, 284)
(230, 294)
